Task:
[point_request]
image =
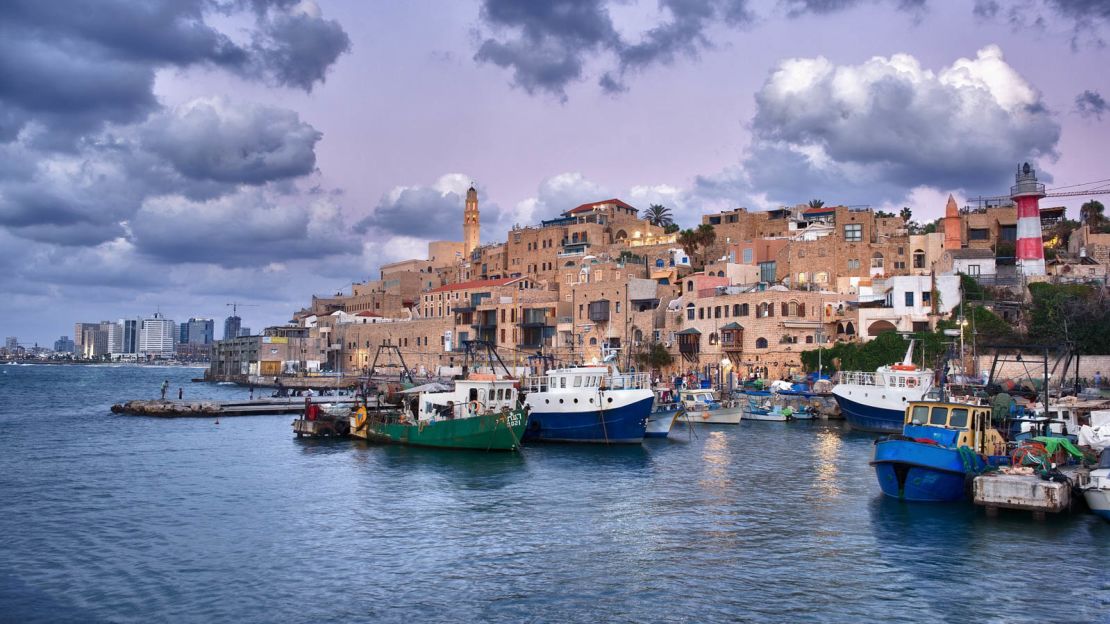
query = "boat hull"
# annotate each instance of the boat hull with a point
(1099, 502)
(767, 416)
(625, 423)
(871, 417)
(488, 432)
(718, 416)
(659, 423)
(916, 471)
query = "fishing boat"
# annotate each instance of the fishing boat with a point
(593, 404)
(1097, 488)
(941, 446)
(663, 414)
(877, 401)
(481, 412)
(760, 408)
(701, 405)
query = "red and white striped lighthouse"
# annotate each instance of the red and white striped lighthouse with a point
(1027, 193)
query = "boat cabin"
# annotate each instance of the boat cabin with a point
(698, 398)
(594, 378)
(953, 425)
(470, 397)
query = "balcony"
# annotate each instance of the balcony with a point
(689, 344)
(599, 311)
(486, 320)
(534, 318)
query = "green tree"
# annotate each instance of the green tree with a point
(671, 228)
(658, 215)
(816, 203)
(688, 240)
(696, 242)
(655, 357)
(1091, 213)
(906, 214)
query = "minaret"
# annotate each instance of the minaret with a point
(470, 222)
(1027, 194)
(953, 238)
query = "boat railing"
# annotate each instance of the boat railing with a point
(860, 378)
(623, 381)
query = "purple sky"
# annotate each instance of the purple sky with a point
(183, 154)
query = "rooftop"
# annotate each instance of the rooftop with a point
(970, 254)
(477, 284)
(594, 205)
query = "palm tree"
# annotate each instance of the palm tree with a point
(1091, 213)
(688, 240)
(816, 203)
(658, 215)
(906, 214)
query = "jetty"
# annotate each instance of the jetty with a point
(205, 409)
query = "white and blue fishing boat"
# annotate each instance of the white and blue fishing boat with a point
(1097, 487)
(588, 404)
(701, 405)
(941, 446)
(663, 414)
(877, 401)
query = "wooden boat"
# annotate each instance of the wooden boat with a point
(479, 413)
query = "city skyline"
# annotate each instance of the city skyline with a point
(268, 153)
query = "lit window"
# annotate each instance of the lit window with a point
(853, 232)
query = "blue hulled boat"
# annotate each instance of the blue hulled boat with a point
(588, 404)
(877, 401)
(940, 447)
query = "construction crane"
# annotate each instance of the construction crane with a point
(1099, 190)
(235, 305)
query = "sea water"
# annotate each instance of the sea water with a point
(111, 518)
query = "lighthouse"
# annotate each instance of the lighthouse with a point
(1027, 193)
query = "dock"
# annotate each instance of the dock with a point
(208, 409)
(1027, 492)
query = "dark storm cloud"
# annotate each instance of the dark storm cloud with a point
(74, 66)
(420, 212)
(1087, 18)
(248, 228)
(872, 131)
(547, 44)
(213, 139)
(550, 41)
(297, 50)
(684, 34)
(1090, 104)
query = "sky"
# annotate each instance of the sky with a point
(180, 155)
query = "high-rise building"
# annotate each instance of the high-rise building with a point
(244, 331)
(231, 327)
(80, 331)
(63, 345)
(471, 225)
(11, 342)
(197, 331)
(157, 335)
(115, 338)
(130, 335)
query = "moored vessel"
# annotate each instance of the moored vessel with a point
(877, 401)
(590, 404)
(664, 411)
(481, 413)
(941, 446)
(1097, 488)
(701, 405)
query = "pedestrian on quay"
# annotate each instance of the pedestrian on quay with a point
(1098, 379)
(180, 393)
(165, 387)
(252, 392)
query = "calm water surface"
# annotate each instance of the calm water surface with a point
(121, 519)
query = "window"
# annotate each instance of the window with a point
(926, 298)
(901, 251)
(748, 255)
(785, 309)
(938, 416)
(909, 298)
(821, 277)
(793, 308)
(853, 232)
(853, 264)
(802, 278)
(898, 264)
(809, 339)
(978, 234)
(877, 261)
(736, 309)
(744, 309)
(918, 259)
(689, 311)
(577, 381)
(973, 269)
(690, 286)
(958, 418)
(760, 343)
(618, 306)
(717, 312)
(701, 313)
(920, 413)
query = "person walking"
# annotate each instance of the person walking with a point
(165, 387)
(180, 393)
(252, 392)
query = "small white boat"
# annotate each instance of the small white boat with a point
(1097, 487)
(703, 407)
(663, 414)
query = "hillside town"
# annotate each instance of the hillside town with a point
(743, 295)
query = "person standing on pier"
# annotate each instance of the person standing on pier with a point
(165, 387)
(1098, 379)
(252, 392)
(180, 393)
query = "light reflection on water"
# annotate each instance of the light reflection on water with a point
(112, 518)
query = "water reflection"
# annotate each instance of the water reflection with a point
(717, 460)
(825, 469)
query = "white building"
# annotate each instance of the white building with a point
(906, 303)
(157, 336)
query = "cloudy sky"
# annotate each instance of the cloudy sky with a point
(182, 154)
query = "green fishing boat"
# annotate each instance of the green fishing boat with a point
(479, 413)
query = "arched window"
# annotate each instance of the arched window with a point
(850, 329)
(736, 309)
(744, 309)
(877, 261)
(690, 286)
(760, 343)
(919, 258)
(720, 273)
(638, 335)
(793, 308)
(620, 235)
(716, 311)
(713, 338)
(689, 311)
(593, 342)
(659, 263)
